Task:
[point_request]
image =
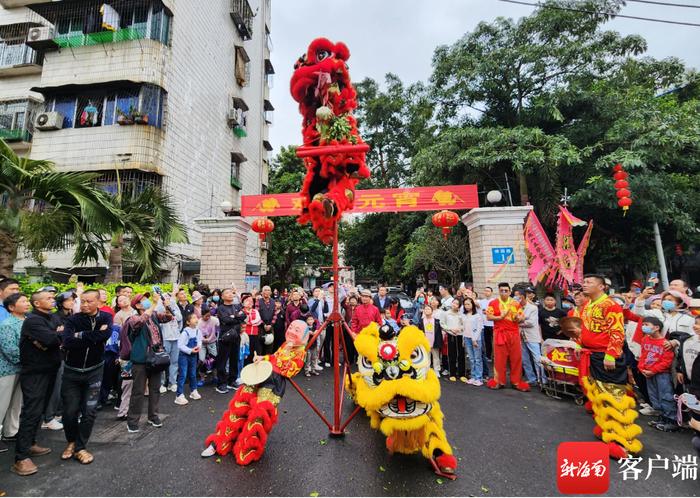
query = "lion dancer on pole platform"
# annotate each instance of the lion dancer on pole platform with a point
(602, 370)
(333, 151)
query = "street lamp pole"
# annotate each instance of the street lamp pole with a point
(660, 256)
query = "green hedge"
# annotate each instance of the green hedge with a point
(28, 288)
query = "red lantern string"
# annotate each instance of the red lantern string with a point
(621, 185)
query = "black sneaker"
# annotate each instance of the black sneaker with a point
(4, 447)
(122, 418)
(221, 390)
(132, 428)
(10, 439)
(155, 422)
(667, 427)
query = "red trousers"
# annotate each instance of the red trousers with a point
(509, 350)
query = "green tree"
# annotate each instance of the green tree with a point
(149, 225)
(43, 209)
(450, 257)
(291, 245)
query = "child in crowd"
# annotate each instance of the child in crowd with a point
(431, 328)
(404, 321)
(688, 367)
(655, 364)
(312, 352)
(473, 330)
(189, 344)
(388, 320)
(127, 381)
(209, 326)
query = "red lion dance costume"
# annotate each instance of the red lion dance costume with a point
(333, 152)
(252, 412)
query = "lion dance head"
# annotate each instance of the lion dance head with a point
(322, 87)
(400, 392)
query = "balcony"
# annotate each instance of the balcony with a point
(16, 57)
(11, 4)
(17, 122)
(242, 16)
(81, 24)
(102, 148)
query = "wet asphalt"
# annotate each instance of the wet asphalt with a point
(506, 442)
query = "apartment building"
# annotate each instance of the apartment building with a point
(146, 92)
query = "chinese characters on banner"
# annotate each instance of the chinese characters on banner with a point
(453, 197)
(562, 266)
(566, 251)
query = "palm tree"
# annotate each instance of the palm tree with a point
(150, 225)
(43, 209)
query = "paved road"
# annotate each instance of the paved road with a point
(506, 443)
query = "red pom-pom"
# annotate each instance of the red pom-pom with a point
(447, 463)
(616, 451)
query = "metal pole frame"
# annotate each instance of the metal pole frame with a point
(336, 428)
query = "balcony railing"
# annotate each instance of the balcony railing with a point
(91, 22)
(18, 54)
(242, 16)
(16, 120)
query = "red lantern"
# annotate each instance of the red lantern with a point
(621, 184)
(617, 167)
(263, 226)
(623, 192)
(625, 204)
(620, 175)
(445, 220)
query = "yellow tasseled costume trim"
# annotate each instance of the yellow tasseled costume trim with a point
(614, 411)
(423, 433)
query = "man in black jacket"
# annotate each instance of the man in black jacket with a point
(84, 338)
(230, 318)
(40, 357)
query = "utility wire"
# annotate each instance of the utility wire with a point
(667, 4)
(584, 11)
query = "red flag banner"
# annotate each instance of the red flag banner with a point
(581, 253)
(390, 200)
(539, 248)
(566, 250)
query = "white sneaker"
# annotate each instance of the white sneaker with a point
(209, 451)
(53, 425)
(181, 400)
(649, 411)
(327, 365)
(318, 368)
(163, 389)
(195, 395)
(437, 373)
(477, 383)
(173, 388)
(470, 382)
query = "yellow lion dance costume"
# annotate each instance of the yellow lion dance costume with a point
(400, 392)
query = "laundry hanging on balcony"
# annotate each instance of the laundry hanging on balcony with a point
(110, 18)
(89, 116)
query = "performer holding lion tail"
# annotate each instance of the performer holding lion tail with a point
(602, 371)
(252, 412)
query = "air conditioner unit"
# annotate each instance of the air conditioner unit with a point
(49, 121)
(41, 38)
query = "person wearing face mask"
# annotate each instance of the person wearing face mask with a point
(140, 334)
(677, 324)
(420, 304)
(655, 364)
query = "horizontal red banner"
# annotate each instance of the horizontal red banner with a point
(389, 200)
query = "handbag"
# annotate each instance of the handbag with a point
(229, 336)
(157, 361)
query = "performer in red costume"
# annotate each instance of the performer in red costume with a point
(602, 370)
(506, 313)
(252, 412)
(333, 152)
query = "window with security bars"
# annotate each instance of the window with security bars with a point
(132, 182)
(92, 22)
(17, 119)
(135, 105)
(236, 171)
(13, 48)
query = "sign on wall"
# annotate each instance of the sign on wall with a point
(502, 255)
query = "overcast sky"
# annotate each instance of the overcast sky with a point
(399, 36)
